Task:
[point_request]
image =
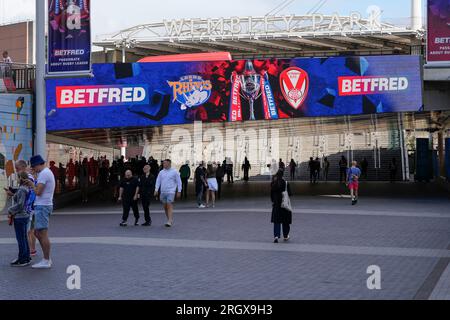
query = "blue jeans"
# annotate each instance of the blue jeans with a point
(277, 230)
(21, 226)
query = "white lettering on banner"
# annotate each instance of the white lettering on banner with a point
(443, 40)
(371, 85)
(87, 96)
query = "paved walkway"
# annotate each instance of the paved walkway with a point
(227, 253)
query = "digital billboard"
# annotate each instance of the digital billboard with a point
(150, 94)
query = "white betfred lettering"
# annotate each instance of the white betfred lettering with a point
(356, 85)
(79, 96)
(91, 94)
(402, 83)
(393, 86)
(114, 95)
(66, 97)
(366, 82)
(102, 94)
(347, 85)
(127, 95)
(374, 84)
(384, 84)
(139, 94)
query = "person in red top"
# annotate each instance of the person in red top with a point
(71, 172)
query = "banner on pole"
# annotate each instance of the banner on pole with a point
(438, 40)
(69, 37)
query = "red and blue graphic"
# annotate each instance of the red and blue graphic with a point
(438, 33)
(69, 36)
(151, 94)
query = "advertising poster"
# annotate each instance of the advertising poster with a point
(69, 36)
(438, 40)
(149, 94)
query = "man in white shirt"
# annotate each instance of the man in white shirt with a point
(168, 184)
(43, 207)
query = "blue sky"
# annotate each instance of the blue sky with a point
(113, 15)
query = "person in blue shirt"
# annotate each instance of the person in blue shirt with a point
(353, 175)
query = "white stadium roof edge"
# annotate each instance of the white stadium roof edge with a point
(268, 36)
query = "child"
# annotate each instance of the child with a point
(353, 175)
(18, 212)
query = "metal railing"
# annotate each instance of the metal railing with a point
(17, 76)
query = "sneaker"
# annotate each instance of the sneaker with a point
(15, 261)
(168, 224)
(33, 253)
(21, 264)
(146, 224)
(286, 239)
(275, 240)
(123, 224)
(202, 206)
(44, 264)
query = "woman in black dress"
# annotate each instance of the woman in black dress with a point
(280, 216)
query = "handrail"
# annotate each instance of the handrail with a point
(17, 76)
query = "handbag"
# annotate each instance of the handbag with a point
(286, 201)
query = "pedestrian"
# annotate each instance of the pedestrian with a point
(103, 176)
(211, 172)
(312, 170)
(317, 168)
(281, 217)
(353, 175)
(343, 164)
(185, 174)
(114, 178)
(292, 168)
(128, 194)
(62, 177)
(246, 167)
(20, 214)
(364, 167)
(326, 168)
(392, 169)
(43, 207)
(6, 58)
(21, 166)
(220, 173)
(83, 178)
(229, 170)
(146, 191)
(200, 183)
(281, 165)
(168, 184)
(71, 172)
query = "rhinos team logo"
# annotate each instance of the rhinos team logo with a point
(294, 83)
(191, 91)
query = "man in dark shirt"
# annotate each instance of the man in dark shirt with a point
(128, 194)
(146, 190)
(185, 174)
(200, 183)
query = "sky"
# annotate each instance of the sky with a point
(113, 15)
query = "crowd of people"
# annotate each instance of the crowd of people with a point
(142, 180)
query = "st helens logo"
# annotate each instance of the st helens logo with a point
(294, 83)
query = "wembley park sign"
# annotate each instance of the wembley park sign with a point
(273, 25)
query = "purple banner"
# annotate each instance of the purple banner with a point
(69, 36)
(438, 44)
